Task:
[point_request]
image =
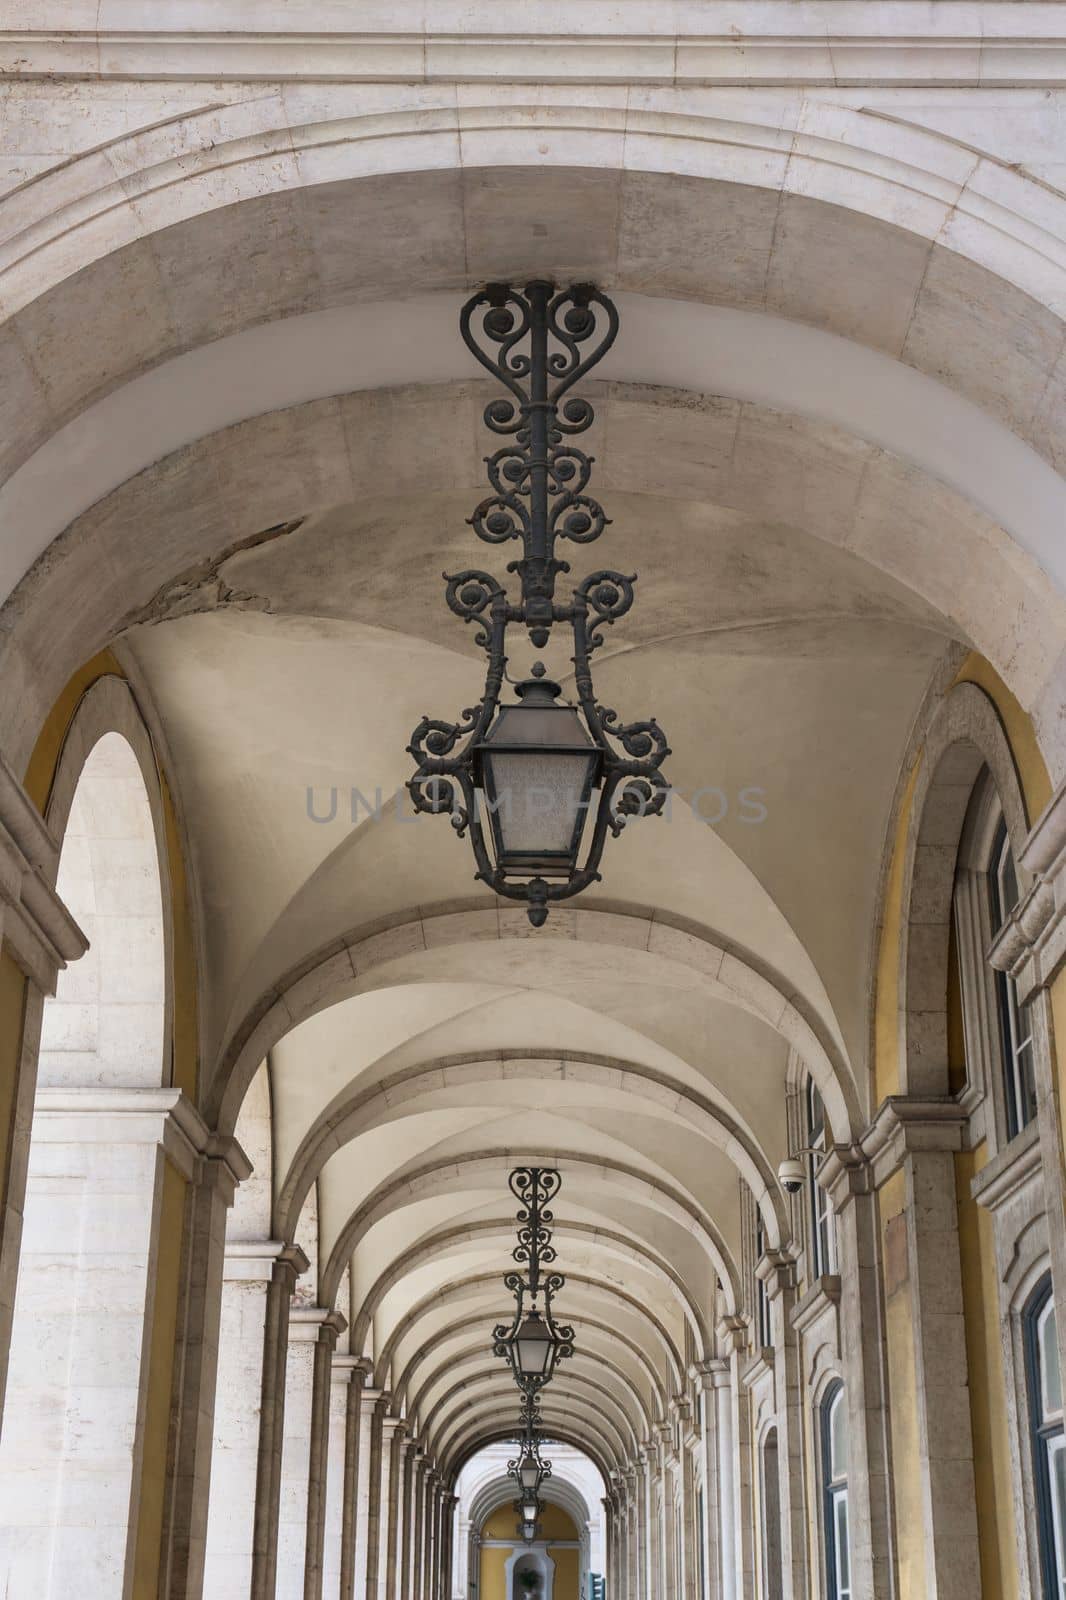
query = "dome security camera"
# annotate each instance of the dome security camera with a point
(791, 1175)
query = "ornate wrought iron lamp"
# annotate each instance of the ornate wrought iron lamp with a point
(530, 1469)
(520, 777)
(534, 1343)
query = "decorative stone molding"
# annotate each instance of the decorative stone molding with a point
(776, 1269)
(1031, 947)
(828, 45)
(903, 1127)
(822, 1296)
(34, 923)
(1011, 1171)
(733, 1333)
(139, 1116)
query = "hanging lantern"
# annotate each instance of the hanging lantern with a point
(533, 1344)
(531, 768)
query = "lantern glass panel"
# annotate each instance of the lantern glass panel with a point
(533, 1346)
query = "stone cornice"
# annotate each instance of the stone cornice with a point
(822, 1296)
(99, 1115)
(1019, 1163)
(1031, 946)
(824, 43)
(34, 923)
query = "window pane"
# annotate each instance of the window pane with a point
(838, 1439)
(1056, 1448)
(1050, 1375)
(842, 1551)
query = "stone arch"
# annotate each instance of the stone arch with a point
(431, 1247)
(336, 972)
(105, 806)
(403, 1384)
(497, 1436)
(438, 1176)
(964, 735)
(476, 1351)
(483, 1280)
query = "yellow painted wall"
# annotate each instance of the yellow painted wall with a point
(555, 1524)
(988, 1398)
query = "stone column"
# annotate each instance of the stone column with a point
(632, 1536)
(220, 1167)
(778, 1272)
(732, 1339)
(247, 1273)
(610, 1536)
(288, 1267)
(719, 1372)
(429, 1551)
(407, 1532)
(419, 1525)
(306, 1326)
(681, 1407)
(363, 1445)
(921, 1138)
(398, 1445)
(376, 1503)
(342, 1506)
(709, 1445)
(111, 1169)
(448, 1544)
(322, 1386)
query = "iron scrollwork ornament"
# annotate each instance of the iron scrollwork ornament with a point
(539, 344)
(533, 1343)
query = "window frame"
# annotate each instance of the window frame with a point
(1017, 1037)
(822, 1222)
(1051, 1533)
(835, 1493)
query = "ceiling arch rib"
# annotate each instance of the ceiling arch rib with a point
(392, 956)
(383, 1103)
(583, 1396)
(443, 1175)
(630, 1402)
(405, 1394)
(491, 1433)
(485, 1287)
(556, 1491)
(476, 1235)
(573, 1385)
(571, 1427)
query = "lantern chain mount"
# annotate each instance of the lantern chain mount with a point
(539, 344)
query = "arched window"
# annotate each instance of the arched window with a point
(1016, 1033)
(823, 1233)
(1049, 1442)
(835, 1494)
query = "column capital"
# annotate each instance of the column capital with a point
(906, 1126)
(311, 1324)
(776, 1270)
(36, 926)
(291, 1264)
(733, 1332)
(716, 1373)
(351, 1369)
(100, 1115)
(1031, 945)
